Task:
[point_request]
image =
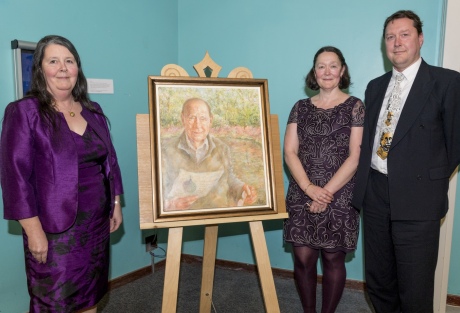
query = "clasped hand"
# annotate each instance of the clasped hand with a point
(320, 195)
(316, 207)
(321, 198)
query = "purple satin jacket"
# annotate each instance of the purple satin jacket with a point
(39, 171)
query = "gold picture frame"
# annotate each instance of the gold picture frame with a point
(238, 149)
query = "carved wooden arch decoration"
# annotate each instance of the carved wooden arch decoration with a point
(173, 70)
(207, 67)
(240, 72)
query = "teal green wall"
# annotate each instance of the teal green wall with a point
(127, 42)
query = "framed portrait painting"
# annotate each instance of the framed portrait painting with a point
(210, 148)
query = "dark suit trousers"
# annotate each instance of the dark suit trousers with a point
(400, 256)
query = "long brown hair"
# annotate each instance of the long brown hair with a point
(39, 89)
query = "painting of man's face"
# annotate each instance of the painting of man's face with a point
(197, 121)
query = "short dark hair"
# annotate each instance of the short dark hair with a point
(345, 80)
(416, 22)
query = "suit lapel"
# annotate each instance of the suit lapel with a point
(415, 102)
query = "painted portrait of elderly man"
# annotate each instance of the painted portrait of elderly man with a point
(212, 149)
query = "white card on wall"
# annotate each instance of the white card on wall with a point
(100, 85)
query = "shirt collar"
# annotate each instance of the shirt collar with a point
(204, 146)
(411, 71)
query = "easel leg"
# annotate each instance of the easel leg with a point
(209, 263)
(263, 265)
(171, 281)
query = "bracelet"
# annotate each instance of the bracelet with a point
(306, 188)
(116, 202)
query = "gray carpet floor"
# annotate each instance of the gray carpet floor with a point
(234, 291)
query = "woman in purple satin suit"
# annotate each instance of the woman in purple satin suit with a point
(60, 179)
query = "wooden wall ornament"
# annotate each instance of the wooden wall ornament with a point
(173, 70)
(206, 68)
(240, 72)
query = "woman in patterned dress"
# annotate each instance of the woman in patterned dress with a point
(321, 148)
(61, 181)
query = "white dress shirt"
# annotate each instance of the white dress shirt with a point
(409, 76)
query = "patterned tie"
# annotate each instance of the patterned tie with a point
(389, 125)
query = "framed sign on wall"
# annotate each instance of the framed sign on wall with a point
(23, 52)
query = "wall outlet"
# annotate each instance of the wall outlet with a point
(150, 243)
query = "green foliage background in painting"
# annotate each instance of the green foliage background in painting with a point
(236, 120)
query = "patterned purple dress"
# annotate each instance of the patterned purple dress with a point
(324, 137)
(75, 275)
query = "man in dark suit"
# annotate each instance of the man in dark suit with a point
(410, 147)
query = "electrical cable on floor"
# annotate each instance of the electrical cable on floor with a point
(213, 307)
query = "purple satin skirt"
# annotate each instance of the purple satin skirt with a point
(75, 275)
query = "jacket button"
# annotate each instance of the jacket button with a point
(419, 177)
(422, 126)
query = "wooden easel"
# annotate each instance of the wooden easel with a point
(171, 280)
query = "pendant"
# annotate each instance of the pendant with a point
(72, 114)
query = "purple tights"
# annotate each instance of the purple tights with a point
(305, 276)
